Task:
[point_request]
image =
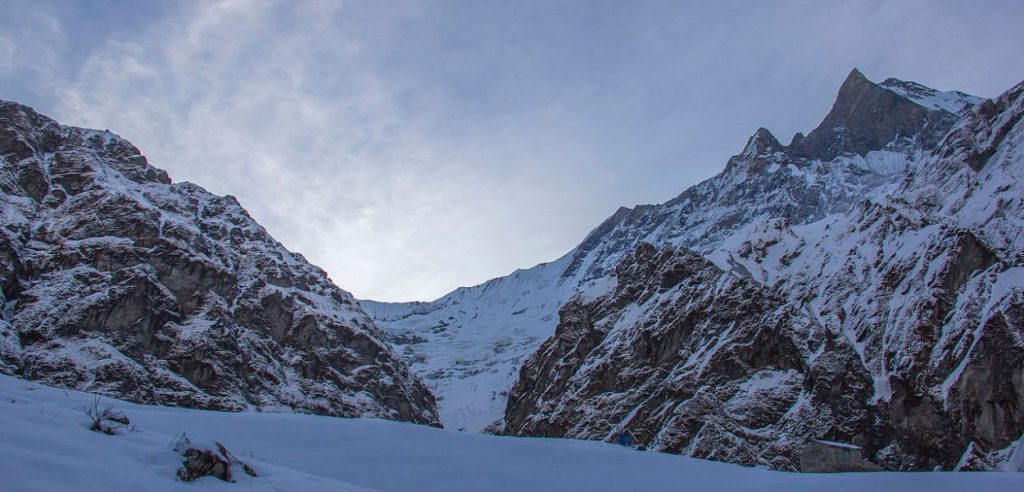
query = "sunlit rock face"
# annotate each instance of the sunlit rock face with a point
(117, 280)
(895, 325)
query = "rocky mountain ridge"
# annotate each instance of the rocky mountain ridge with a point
(118, 281)
(901, 329)
(468, 345)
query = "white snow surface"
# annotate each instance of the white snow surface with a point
(955, 102)
(45, 445)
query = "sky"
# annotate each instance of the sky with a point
(410, 148)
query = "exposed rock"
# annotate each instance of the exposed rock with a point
(120, 282)
(819, 456)
(867, 116)
(204, 463)
(691, 359)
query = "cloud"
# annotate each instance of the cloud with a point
(30, 47)
(413, 147)
(288, 109)
(7, 53)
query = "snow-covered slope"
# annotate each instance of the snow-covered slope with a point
(951, 101)
(45, 445)
(468, 345)
(116, 280)
(870, 139)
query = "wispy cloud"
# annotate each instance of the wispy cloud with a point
(30, 51)
(412, 147)
(290, 110)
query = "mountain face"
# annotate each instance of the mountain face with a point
(116, 280)
(687, 357)
(896, 326)
(469, 345)
(868, 116)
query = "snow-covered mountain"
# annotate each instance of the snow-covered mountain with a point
(468, 345)
(117, 281)
(897, 325)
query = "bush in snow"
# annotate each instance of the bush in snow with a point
(104, 418)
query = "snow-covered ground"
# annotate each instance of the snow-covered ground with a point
(45, 446)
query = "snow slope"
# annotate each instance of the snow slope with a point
(45, 446)
(952, 101)
(468, 346)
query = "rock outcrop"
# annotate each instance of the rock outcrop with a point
(688, 358)
(118, 281)
(868, 116)
(833, 457)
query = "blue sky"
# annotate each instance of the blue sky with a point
(410, 148)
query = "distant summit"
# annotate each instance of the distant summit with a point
(867, 116)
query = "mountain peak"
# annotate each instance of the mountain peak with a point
(867, 116)
(762, 142)
(855, 77)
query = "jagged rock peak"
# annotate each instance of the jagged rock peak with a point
(762, 142)
(867, 117)
(895, 115)
(855, 82)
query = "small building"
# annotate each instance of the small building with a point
(820, 456)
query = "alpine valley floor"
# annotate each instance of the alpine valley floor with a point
(45, 445)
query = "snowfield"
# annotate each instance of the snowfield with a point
(45, 445)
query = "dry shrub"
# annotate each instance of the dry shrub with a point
(104, 418)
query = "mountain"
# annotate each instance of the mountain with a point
(868, 116)
(896, 325)
(677, 343)
(116, 280)
(469, 345)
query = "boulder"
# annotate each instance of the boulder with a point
(819, 456)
